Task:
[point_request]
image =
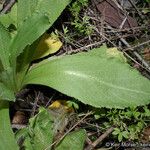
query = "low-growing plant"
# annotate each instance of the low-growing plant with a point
(81, 24)
(128, 122)
(97, 78)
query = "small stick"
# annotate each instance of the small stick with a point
(136, 54)
(141, 44)
(18, 126)
(88, 46)
(100, 139)
(35, 104)
(144, 63)
(139, 13)
(8, 6)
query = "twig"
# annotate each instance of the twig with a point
(139, 13)
(59, 140)
(144, 63)
(100, 139)
(133, 47)
(87, 46)
(50, 99)
(136, 54)
(8, 6)
(35, 104)
(18, 126)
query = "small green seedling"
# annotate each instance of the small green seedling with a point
(128, 122)
(81, 24)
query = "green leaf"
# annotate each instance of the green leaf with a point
(24, 10)
(31, 26)
(41, 126)
(75, 140)
(4, 46)
(7, 140)
(39, 134)
(1, 67)
(23, 62)
(116, 131)
(6, 93)
(23, 139)
(94, 80)
(8, 79)
(28, 32)
(125, 134)
(120, 137)
(9, 18)
(50, 7)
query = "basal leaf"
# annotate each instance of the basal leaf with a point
(94, 80)
(7, 140)
(4, 46)
(23, 62)
(9, 18)
(52, 7)
(9, 80)
(32, 25)
(24, 10)
(35, 23)
(28, 32)
(6, 93)
(73, 141)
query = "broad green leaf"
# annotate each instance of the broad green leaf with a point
(6, 93)
(9, 79)
(94, 80)
(9, 18)
(4, 46)
(53, 10)
(1, 67)
(7, 140)
(28, 32)
(73, 141)
(24, 10)
(23, 62)
(51, 7)
(33, 27)
(39, 134)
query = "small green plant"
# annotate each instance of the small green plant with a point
(95, 78)
(128, 123)
(81, 24)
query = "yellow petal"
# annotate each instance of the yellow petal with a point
(61, 104)
(48, 44)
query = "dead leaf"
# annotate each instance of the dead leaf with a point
(114, 16)
(19, 118)
(146, 54)
(146, 135)
(61, 112)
